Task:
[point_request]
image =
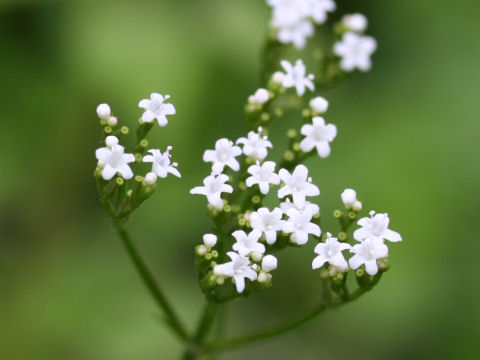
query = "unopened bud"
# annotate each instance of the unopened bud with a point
(210, 240)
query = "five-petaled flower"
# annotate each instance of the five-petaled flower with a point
(223, 155)
(318, 135)
(355, 51)
(213, 187)
(331, 251)
(112, 160)
(297, 184)
(255, 145)
(264, 221)
(156, 108)
(376, 228)
(247, 244)
(263, 175)
(296, 77)
(161, 164)
(367, 252)
(239, 269)
(299, 226)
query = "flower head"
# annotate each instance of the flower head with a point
(161, 164)
(264, 221)
(213, 187)
(331, 251)
(263, 175)
(297, 184)
(367, 252)
(299, 225)
(223, 155)
(156, 108)
(355, 51)
(296, 77)
(113, 160)
(247, 244)
(239, 269)
(255, 145)
(318, 135)
(376, 228)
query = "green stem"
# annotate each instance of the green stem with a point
(206, 321)
(151, 284)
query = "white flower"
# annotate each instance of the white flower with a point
(210, 240)
(155, 108)
(239, 268)
(247, 244)
(319, 105)
(269, 263)
(320, 8)
(267, 222)
(296, 33)
(331, 252)
(111, 141)
(103, 111)
(263, 175)
(311, 207)
(355, 51)
(299, 226)
(349, 196)
(261, 96)
(223, 155)
(214, 186)
(376, 228)
(355, 22)
(277, 77)
(297, 184)
(318, 135)
(296, 77)
(114, 160)
(150, 178)
(255, 145)
(161, 163)
(367, 252)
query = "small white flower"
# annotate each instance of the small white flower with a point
(296, 77)
(355, 51)
(376, 228)
(318, 135)
(111, 141)
(296, 33)
(103, 111)
(320, 8)
(357, 205)
(349, 196)
(223, 155)
(367, 252)
(297, 184)
(210, 240)
(263, 175)
(239, 269)
(331, 251)
(161, 164)
(255, 145)
(214, 186)
(277, 77)
(355, 22)
(150, 178)
(114, 160)
(299, 226)
(319, 105)
(261, 96)
(156, 108)
(269, 263)
(247, 244)
(311, 207)
(267, 222)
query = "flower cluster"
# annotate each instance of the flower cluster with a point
(293, 20)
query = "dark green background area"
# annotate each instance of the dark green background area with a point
(407, 141)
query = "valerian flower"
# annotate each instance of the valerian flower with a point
(355, 51)
(113, 160)
(260, 97)
(318, 135)
(269, 263)
(263, 175)
(103, 111)
(355, 22)
(367, 252)
(349, 199)
(213, 187)
(296, 33)
(319, 105)
(255, 145)
(376, 228)
(299, 226)
(156, 108)
(330, 251)
(247, 244)
(296, 77)
(239, 269)
(297, 184)
(264, 221)
(224, 155)
(161, 164)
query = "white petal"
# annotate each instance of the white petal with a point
(392, 236)
(148, 116)
(318, 262)
(371, 267)
(108, 172)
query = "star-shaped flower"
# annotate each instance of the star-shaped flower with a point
(297, 184)
(263, 175)
(161, 163)
(299, 225)
(246, 244)
(113, 160)
(214, 186)
(255, 145)
(223, 155)
(296, 77)
(367, 252)
(239, 269)
(355, 51)
(264, 221)
(376, 228)
(318, 135)
(330, 251)
(156, 108)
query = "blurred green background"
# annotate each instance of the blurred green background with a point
(408, 134)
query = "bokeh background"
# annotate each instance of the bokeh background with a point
(408, 142)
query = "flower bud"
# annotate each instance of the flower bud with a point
(277, 77)
(103, 111)
(150, 178)
(357, 205)
(261, 96)
(355, 22)
(217, 270)
(201, 250)
(349, 196)
(111, 141)
(210, 240)
(112, 121)
(319, 105)
(256, 256)
(269, 263)
(262, 278)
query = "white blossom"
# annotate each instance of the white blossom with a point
(210, 240)
(330, 251)
(269, 263)
(299, 226)
(349, 196)
(319, 105)
(297, 184)
(296, 77)
(103, 111)
(113, 160)
(367, 252)
(255, 145)
(263, 175)
(247, 244)
(355, 22)
(264, 221)
(239, 269)
(311, 207)
(156, 108)
(223, 155)
(296, 33)
(161, 164)
(376, 228)
(150, 178)
(355, 51)
(261, 96)
(318, 135)
(213, 187)
(111, 141)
